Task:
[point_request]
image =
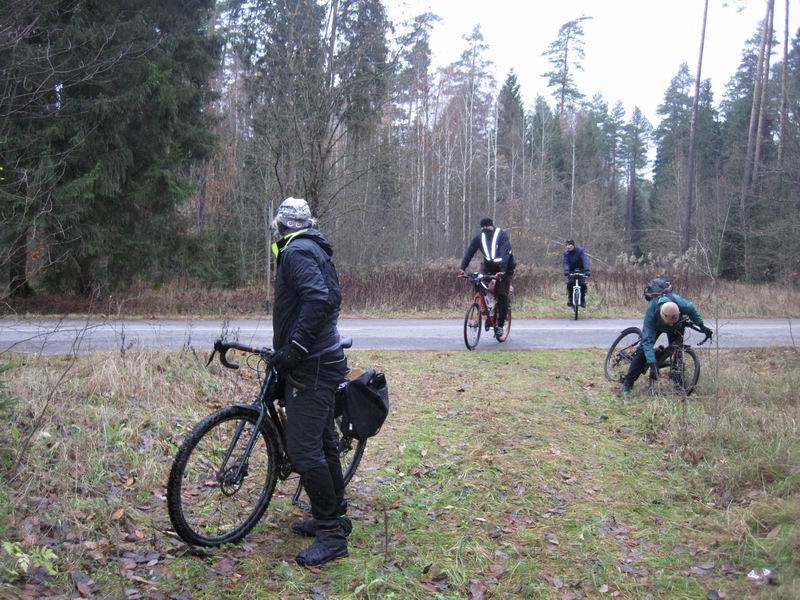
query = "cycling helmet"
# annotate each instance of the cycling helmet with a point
(657, 287)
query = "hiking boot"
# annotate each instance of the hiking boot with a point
(498, 331)
(583, 304)
(570, 304)
(626, 391)
(330, 543)
(309, 527)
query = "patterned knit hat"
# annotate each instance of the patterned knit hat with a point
(294, 213)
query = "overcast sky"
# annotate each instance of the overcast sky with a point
(633, 47)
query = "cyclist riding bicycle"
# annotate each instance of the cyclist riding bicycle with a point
(575, 260)
(497, 260)
(310, 359)
(663, 312)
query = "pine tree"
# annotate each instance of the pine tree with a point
(634, 151)
(565, 55)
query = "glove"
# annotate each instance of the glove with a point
(499, 276)
(566, 273)
(588, 274)
(287, 357)
(653, 372)
(708, 332)
(461, 272)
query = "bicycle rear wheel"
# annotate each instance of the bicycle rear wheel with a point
(506, 327)
(211, 500)
(620, 355)
(472, 326)
(351, 451)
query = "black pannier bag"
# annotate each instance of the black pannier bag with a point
(364, 404)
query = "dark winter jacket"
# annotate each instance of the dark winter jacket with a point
(577, 260)
(496, 249)
(307, 295)
(653, 326)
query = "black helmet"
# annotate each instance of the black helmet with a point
(657, 287)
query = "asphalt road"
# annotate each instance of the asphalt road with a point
(64, 337)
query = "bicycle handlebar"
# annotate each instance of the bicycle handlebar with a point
(686, 322)
(222, 347)
(478, 276)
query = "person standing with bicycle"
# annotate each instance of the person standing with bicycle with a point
(662, 314)
(498, 260)
(310, 360)
(575, 260)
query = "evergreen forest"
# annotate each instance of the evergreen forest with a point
(147, 142)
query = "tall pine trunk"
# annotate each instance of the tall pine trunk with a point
(747, 176)
(687, 230)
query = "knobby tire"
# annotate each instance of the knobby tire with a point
(194, 486)
(619, 357)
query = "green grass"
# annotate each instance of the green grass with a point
(520, 474)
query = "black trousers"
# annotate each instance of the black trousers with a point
(639, 363)
(311, 437)
(571, 284)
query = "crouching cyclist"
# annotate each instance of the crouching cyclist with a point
(663, 313)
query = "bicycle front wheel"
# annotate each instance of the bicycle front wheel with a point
(217, 491)
(576, 300)
(620, 355)
(684, 371)
(472, 326)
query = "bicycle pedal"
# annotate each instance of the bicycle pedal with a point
(302, 505)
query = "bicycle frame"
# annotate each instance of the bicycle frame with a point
(481, 290)
(266, 409)
(265, 404)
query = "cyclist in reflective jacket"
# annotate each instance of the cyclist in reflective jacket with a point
(661, 316)
(498, 260)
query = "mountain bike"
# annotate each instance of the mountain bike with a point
(225, 471)
(680, 361)
(576, 278)
(482, 310)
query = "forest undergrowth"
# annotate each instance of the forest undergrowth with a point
(431, 291)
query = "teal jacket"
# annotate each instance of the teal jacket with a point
(652, 326)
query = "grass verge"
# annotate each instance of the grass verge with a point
(510, 475)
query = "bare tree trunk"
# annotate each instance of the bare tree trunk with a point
(494, 191)
(762, 104)
(784, 88)
(18, 285)
(572, 180)
(747, 178)
(687, 230)
(332, 40)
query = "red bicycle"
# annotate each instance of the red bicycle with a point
(482, 311)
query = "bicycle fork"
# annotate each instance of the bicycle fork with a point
(225, 478)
